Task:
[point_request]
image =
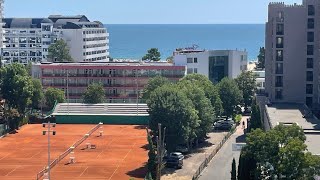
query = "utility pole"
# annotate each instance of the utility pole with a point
(48, 132)
(68, 90)
(137, 92)
(160, 150)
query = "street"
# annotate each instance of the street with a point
(220, 166)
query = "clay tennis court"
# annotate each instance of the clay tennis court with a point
(119, 153)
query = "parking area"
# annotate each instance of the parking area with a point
(193, 160)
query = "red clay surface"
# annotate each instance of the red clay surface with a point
(119, 153)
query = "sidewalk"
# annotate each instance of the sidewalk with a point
(193, 161)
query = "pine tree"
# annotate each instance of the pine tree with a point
(152, 165)
(233, 170)
(255, 120)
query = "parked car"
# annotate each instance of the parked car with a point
(174, 159)
(223, 125)
(177, 155)
(182, 149)
(175, 163)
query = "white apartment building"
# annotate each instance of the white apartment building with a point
(260, 80)
(1, 24)
(214, 64)
(28, 39)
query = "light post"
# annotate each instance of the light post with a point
(48, 125)
(137, 91)
(68, 90)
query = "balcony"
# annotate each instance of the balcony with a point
(104, 76)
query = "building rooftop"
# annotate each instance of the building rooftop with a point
(58, 21)
(162, 63)
(114, 109)
(288, 113)
(25, 22)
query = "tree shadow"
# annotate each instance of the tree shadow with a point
(167, 170)
(140, 127)
(13, 132)
(145, 147)
(139, 172)
(241, 139)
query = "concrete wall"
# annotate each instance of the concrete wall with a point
(87, 119)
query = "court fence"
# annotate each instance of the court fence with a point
(68, 151)
(213, 153)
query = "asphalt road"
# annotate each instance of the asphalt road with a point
(220, 166)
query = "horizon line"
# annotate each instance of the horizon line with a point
(184, 24)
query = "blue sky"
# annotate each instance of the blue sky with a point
(148, 11)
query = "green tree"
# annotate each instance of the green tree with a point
(37, 95)
(246, 82)
(53, 95)
(59, 51)
(209, 89)
(94, 94)
(171, 107)
(16, 86)
(261, 58)
(255, 119)
(153, 84)
(280, 152)
(202, 105)
(233, 170)
(169, 59)
(230, 95)
(152, 55)
(152, 161)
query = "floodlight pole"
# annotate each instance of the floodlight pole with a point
(68, 89)
(48, 132)
(49, 149)
(137, 92)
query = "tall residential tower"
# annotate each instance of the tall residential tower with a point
(292, 52)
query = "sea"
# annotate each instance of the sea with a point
(131, 41)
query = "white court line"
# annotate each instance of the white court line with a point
(84, 171)
(122, 161)
(12, 171)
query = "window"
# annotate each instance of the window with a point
(189, 60)
(309, 89)
(23, 40)
(310, 23)
(189, 71)
(309, 62)
(279, 43)
(309, 49)
(46, 36)
(311, 10)
(46, 28)
(310, 37)
(309, 76)
(279, 55)
(280, 17)
(195, 70)
(195, 60)
(279, 81)
(278, 94)
(309, 101)
(280, 29)
(279, 68)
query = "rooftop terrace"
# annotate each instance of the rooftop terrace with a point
(299, 114)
